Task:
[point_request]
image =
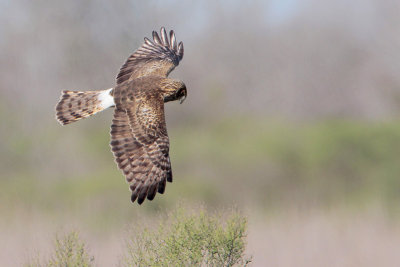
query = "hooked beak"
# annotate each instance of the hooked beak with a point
(182, 99)
(184, 95)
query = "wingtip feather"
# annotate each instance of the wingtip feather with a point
(164, 37)
(133, 197)
(173, 40)
(180, 50)
(148, 41)
(156, 38)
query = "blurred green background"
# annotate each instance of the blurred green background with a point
(291, 116)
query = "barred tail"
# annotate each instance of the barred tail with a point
(75, 105)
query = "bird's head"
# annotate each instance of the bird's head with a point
(174, 90)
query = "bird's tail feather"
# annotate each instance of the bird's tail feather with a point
(75, 105)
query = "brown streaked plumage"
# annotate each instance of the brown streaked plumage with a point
(75, 105)
(139, 139)
(156, 58)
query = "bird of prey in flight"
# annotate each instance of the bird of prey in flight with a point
(139, 139)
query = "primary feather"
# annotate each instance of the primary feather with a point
(159, 57)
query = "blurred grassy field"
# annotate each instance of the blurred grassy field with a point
(60, 176)
(241, 160)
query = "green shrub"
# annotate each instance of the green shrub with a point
(69, 251)
(197, 239)
(182, 239)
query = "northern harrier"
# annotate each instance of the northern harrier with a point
(139, 138)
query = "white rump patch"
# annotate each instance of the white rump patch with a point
(106, 100)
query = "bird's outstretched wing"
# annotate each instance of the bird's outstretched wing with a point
(158, 57)
(140, 143)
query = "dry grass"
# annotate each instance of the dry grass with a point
(325, 239)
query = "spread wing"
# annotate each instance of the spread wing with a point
(140, 144)
(157, 57)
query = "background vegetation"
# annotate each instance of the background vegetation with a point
(182, 239)
(197, 239)
(292, 117)
(69, 250)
